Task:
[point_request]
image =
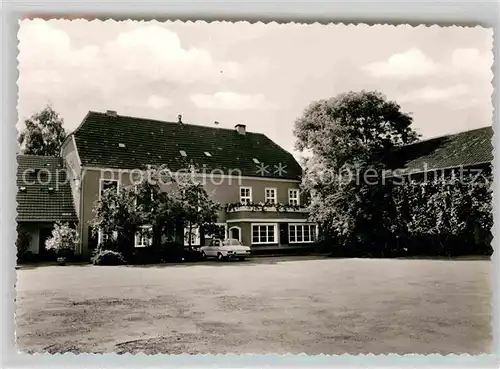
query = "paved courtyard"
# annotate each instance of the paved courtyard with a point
(263, 305)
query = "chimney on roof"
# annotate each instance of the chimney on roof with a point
(241, 129)
(111, 113)
(179, 118)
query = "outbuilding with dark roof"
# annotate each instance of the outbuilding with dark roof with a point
(44, 197)
(468, 149)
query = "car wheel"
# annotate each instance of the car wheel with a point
(203, 255)
(220, 256)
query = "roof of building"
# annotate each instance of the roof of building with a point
(109, 141)
(44, 194)
(464, 149)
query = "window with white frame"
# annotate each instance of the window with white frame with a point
(270, 197)
(264, 233)
(193, 235)
(293, 196)
(301, 233)
(102, 238)
(106, 184)
(144, 237)
(246, 195)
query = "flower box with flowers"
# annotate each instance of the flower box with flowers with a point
(272, 207)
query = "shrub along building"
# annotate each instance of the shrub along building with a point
(465, 157)
(43, 198)
(254, 179)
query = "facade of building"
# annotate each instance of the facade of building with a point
(43, 198)
(239, 170)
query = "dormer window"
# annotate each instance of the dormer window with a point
(22, 189)
(183, 153)
(207, 153)
(121, 145)
(256, 161)
(51, 189)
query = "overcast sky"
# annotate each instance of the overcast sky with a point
(259, 75)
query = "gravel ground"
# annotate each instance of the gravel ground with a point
(264, 305)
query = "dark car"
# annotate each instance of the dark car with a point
(192, 253)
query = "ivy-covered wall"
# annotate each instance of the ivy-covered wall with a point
(443, 216)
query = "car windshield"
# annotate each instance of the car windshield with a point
(233, 242)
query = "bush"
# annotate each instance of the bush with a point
(172, 251)
(146, 255)
(168, 252)
(63, 241)
(23, 244)
(445, 216)
(107, 257)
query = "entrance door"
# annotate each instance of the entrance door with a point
(235, 233)
(283, 233)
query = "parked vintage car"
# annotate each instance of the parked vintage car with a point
(229, 248)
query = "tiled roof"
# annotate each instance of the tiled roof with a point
(35, 201)
(131, 143)
(464, 149)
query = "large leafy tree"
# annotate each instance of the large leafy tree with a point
(117, 212)
(347, 136)
(198, 210)
(352, 127)
(159, 207)
(43, 134)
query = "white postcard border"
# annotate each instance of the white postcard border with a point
(444, 13)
